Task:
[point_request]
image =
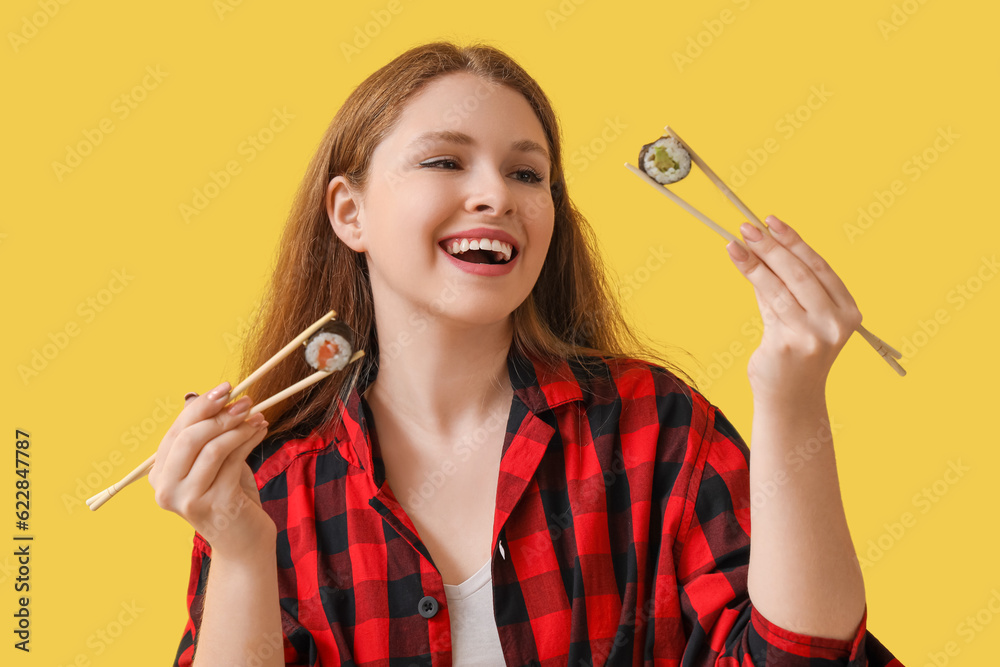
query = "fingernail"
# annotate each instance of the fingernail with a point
(240, 406)
(750, 232)
(256, 420)
(775, 225)
(219, 391)
(737, 252)
(189, 395)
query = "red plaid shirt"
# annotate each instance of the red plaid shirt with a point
(620, 537)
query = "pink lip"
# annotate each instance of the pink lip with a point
(482, 269)
(483, 232)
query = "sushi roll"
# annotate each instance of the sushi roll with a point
(665, 160)
(330, 348)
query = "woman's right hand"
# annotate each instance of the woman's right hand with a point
(200, 472)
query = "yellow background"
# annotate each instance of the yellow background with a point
(888, 91)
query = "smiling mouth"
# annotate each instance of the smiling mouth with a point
(480, 257)
(483, 256)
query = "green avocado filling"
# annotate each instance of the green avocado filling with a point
(662, 160)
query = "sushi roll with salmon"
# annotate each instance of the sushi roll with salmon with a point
(330, 348)
(665, 160)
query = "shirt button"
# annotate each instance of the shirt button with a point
(428, 606)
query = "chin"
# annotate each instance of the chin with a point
(486, 314)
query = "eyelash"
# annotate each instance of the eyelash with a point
(535, 176)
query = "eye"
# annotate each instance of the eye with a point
(528, 175)
(444, 163)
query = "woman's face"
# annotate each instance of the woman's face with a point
(468, 159)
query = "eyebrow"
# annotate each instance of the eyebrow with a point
(461, 138)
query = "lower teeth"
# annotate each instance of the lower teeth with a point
(487, 256)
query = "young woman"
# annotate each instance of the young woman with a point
(510, 476)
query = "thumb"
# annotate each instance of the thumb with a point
(235, 469)
(249, 484)
(247, 481)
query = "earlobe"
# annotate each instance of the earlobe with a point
(343, 207)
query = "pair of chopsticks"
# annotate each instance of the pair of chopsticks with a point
(143, 468)
(887, 352)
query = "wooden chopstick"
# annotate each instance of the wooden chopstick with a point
(711, 224)
(872, 339)
(281, 354)
(95, 501)
(885, 350)
(719, 183)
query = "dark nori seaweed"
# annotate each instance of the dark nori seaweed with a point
(648, 147)
(644, 150)
(336, 327)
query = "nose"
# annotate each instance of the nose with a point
(490, 193)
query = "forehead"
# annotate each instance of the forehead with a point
(464, 102)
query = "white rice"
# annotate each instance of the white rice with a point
(676, 153)
(337, 361)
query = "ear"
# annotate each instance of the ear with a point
(343, 206)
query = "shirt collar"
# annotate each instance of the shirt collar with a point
(539, 384)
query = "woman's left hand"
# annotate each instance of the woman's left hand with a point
(808, 314)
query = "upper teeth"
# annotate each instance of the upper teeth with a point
(502, 249)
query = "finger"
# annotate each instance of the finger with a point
(772, 294)
(195, 409)
(180, 456)
(797, 277)
(212, 458)
(782, 308)
(200, 407)
(835, 288)
(233, 467)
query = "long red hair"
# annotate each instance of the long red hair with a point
(572, 312)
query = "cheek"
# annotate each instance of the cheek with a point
(545, 222)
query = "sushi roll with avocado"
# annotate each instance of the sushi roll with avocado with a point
(330, 348)
(665, 160)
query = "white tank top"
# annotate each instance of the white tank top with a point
(475, 641)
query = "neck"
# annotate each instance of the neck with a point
(438, 376)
